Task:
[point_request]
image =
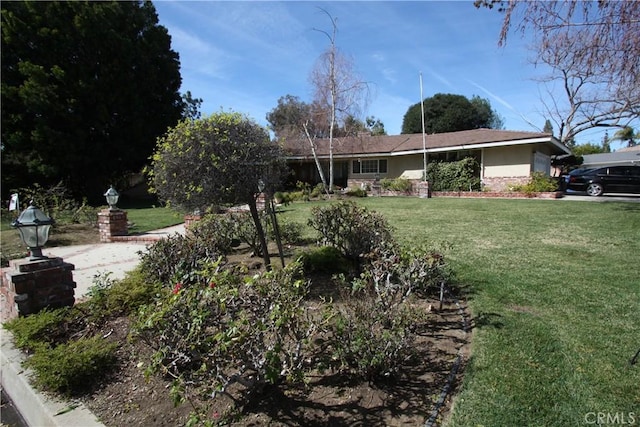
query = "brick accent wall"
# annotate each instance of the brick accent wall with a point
(501, 184)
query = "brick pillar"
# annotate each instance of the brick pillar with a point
(189, 220)
(29, 286)
(261, 202)
(112, 223)
(424, 190)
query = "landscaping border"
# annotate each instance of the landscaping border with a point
(498, 194)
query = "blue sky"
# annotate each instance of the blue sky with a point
(244, 55)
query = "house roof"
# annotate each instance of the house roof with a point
(397, 145)
(618, 158)
(632, 148)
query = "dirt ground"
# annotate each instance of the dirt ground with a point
(128, 398)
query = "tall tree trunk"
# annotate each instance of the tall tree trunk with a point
(315, 157)
(334, 94)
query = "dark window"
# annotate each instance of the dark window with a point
(369, 166)
(617, 170)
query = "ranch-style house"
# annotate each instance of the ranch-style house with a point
(505, 157)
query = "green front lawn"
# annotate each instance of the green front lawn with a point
(554, 290)
(145, 219)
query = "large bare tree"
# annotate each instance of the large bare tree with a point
(338, 88)
(593, 50)
(295, 121)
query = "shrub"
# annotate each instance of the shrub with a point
(57, 202)
(290, 232)
(368, 339)
(244, 229)
(356, 192)
(304, 188)
(326, 259)
(32, 331)
(397, 184)
(354, 230)
(538, 183)
(216, 229)
(317, 191)
(394, 273)
(177, 259)
(454, 176)
(69, 368)
(110, 298)
(230, 337)
(282, 198)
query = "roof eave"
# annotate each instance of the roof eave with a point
(551, 140)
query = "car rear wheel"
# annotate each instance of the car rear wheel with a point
(595, 189)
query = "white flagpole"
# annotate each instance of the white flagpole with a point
(424, 141)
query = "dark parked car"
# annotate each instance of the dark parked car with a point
(611, 179)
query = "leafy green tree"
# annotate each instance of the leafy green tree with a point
(588, 148)
(300, 123)
(288, 118)
(451, 113)
(606, 143)
(627, 134)
(375, 126)
(548, 127)
(191, 106)
(216, 160)
(87, 87)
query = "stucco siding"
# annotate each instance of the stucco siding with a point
(395, 166)
(399, 164)
(507, 161)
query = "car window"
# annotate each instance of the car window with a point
(617, 170)
(580, 171)
(634, 171)
(601, 171)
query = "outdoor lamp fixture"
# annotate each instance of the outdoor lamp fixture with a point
(33, 225)
(112, 198)
(261, 185)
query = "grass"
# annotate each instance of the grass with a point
(146, 219)
(554, 290)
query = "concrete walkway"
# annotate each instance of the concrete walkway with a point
(38, 409)
(116, 258)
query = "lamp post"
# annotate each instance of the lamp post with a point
(112, 221)
(112, 198)
(33, 226)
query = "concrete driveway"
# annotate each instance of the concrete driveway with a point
(607, 197)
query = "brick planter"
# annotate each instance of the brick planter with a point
(29, 286)
(189, 220)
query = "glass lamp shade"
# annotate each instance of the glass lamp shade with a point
(112, 197)
(33, 226)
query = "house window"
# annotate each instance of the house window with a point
(541, 163)
(369, 166)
